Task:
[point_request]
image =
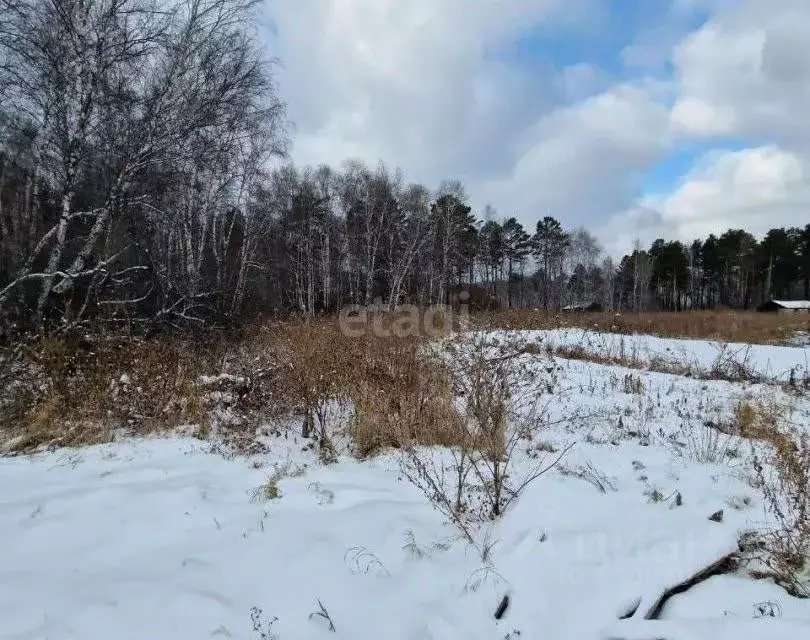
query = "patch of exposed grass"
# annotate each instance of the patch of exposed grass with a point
(269, 490)
(402, 395)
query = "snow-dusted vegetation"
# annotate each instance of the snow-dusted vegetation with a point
(574, 499)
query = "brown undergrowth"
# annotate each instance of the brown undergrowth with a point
(398, 392)
(89, 388)
(727, 365)
(78, 390)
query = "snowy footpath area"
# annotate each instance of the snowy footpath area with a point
(770, 362)
(165, 539)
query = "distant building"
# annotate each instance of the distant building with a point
(583, 307)
(786, 306)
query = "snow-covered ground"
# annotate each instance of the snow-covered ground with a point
(769, 362)
(167, 539)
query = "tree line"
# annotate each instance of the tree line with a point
(143, 178)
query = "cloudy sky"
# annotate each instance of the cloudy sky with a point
(635, 118)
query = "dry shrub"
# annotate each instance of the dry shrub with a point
(316, 375)
(786, 487)
(758, 420)
(19, 384)
(398, 391)
(701, 441)
(783, 472)
(83, 389)
(733, 365)
(657, 364)
(402, 395)
(633, 385)
(500, 411)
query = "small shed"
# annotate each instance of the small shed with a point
(583, 307)
(785, 306)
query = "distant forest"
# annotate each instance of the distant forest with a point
(143, 178)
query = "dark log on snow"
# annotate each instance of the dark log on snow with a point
(726, 564)
(502, 607)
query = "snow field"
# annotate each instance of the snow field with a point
(166, 539)
(770, 362)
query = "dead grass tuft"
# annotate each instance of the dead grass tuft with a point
(402, 395)
(633, 384)
(758, 420)
(397, 390)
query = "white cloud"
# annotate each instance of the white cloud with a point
(420, 84)
(577, 160)
(747, 73)
(753, 189)
(407, 82)
(743, 76)
(651, 49)
(413, 83)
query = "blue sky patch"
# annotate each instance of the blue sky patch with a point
(665, 175)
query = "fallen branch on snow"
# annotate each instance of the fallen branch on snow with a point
(726, 564)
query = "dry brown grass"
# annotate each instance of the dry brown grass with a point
(399, 393)
(579, 352)
(759, 420)
(401, 396)
(87, 389)
(313, 374)
(83, 390)
(731, 326)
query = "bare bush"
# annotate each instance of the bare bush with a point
(633, 384)
(20, 383)
(81, 389)
(316, 377)
(733, 364)
(396, 391)
(85, 388)
(500, 406)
